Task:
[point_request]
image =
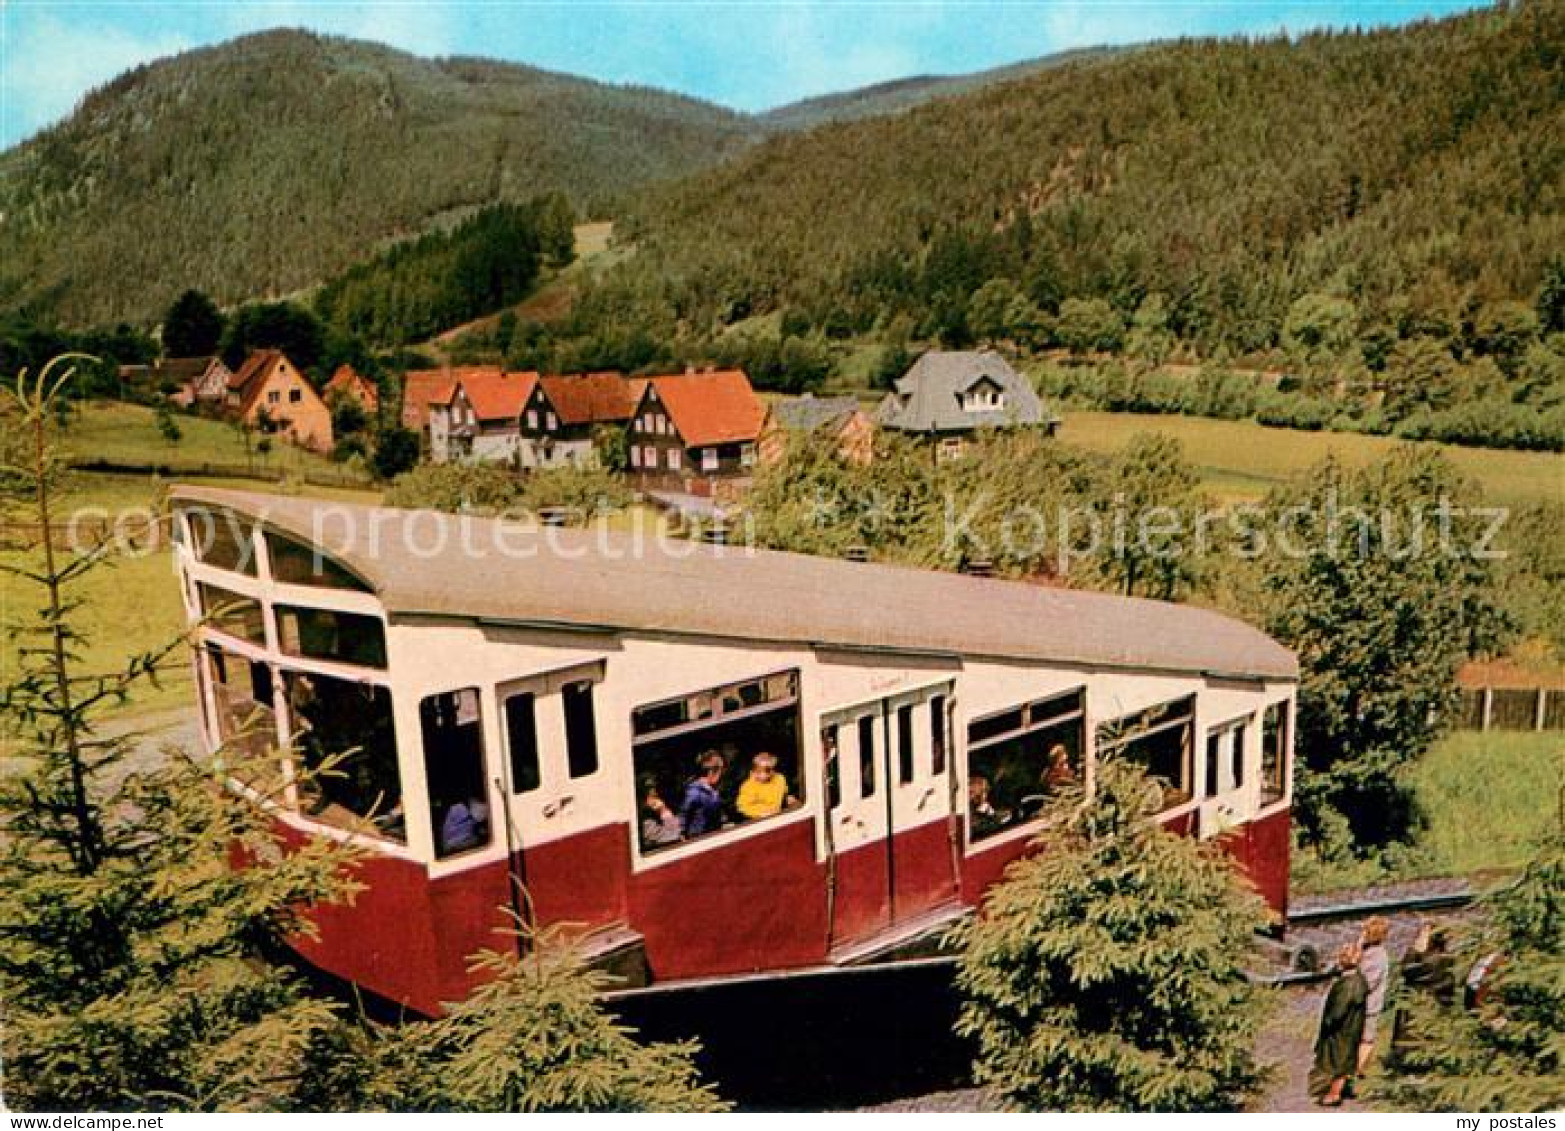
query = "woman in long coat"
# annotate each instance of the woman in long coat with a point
(1341, 1029)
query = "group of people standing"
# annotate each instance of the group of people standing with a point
(1350, 1018)
(702, 809)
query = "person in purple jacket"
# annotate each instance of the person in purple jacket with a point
(701, 809)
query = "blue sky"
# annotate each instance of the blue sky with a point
(749, 55)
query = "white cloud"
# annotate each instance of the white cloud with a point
(48, 64)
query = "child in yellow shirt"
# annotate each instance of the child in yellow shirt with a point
(764, 792)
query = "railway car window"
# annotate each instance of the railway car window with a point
(867, 756)
(222, 539)
(1019, 758)
(716, 759)
(298, 564)
(581, 729)
(832, 766)
(329, 634)
(937, 735)
(905, 744)
(246, 714)
(1224, 758)
(1159, 739)
(454, 770)
(237, 615)
(521, 735)
(342, 732)
(1274, 753)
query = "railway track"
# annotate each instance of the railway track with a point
(1312, 933)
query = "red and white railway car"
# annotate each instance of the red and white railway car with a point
(510, 697)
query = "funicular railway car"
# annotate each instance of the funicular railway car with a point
(526, 713)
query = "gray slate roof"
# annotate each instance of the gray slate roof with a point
(489, 569)
(809, 412)
(926, 396)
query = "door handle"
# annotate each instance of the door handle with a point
(555, 808)
(924, 800)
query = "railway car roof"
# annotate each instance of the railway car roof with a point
(436, 564)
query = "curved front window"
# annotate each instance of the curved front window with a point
(294, 683)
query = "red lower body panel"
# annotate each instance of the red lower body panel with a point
(1261, 849)
(755, 904)
(922, 876)
(407, 937)
(752, 905)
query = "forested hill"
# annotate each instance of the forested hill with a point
(264, 164)
(904, 94)
(1416, 171)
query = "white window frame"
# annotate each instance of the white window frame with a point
(674, 460)
(709, 459)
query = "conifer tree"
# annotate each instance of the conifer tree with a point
(127, 939)
(193, 326)
(534, 1038)
(1507, 1054)
(1106, 972)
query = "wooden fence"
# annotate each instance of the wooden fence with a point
(1512, 708)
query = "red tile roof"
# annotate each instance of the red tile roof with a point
(712, 408)
(593, 398)
(350, 382)
(496, 395)
(253, 375)
(422, 388)
(253, 367)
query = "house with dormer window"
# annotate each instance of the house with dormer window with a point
(948, 395)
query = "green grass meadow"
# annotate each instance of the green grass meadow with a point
(128, 433)
(1487, 799)
(1241, 460)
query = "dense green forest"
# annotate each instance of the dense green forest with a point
(904, 94)
(423, 286)
(1204, 186)
(261, 166)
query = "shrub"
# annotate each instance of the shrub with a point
(1107, 971)
(1490, 423)
(534, 1038)
(1295, 410)
(1509, 1053)
(396, 451)
(455, 487)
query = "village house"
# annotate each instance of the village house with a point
(195, 381)
(947, 396)
(560, 419)
(347, 382)
(696, 433)
(478, 421)
(838, 421)
(269, 393)
(422, 388)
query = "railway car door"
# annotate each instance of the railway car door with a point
(888, 770)
(853, 744)
(567, 847)
(918, 768)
